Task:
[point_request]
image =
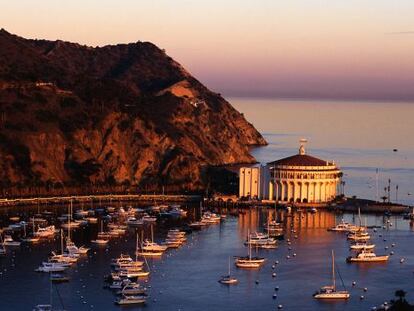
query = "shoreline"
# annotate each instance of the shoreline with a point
(100, 198)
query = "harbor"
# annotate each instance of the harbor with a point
(302, 256)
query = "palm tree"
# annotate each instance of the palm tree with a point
(400, 294)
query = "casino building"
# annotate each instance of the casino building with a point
(300, 178)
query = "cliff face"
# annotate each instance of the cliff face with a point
(127, 113)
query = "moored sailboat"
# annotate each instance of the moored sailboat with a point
(330, 291)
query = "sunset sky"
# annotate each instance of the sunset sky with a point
(296, 48)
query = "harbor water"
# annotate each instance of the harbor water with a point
(187, 278)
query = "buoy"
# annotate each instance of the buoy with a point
(353, 283)
(402, 260)
(374, 308)
(276, 288)
(277, 262)
(279, 306)
(392, 253)
(380, 235)
(273, 274)
(386, 247)
(273, 266)
(257, 281)
(365, 289)
(274, 296)
(287, 257)
(294, 254)
(385, 240)
(289, 248)
(361, 297)
(393, 244)
(288, 243)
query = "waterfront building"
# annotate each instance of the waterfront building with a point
(249, 182)
(300, 178)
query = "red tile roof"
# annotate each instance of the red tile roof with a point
(300, 160)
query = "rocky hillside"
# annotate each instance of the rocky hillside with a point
(74, 115)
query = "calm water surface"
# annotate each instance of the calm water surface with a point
(359, 136)
(186, 278)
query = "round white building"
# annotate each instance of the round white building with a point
(302, 178)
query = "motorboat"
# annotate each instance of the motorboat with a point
(343, 227)
(367, 256)
(99, 241)
(178, 212)
(148, 219)
(59, 278)
(330, 291)
(45, 232)
(51, 267)
(128, 300)
(8, 241)
(133, 222)
(132, 289)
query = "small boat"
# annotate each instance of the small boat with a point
(43, 308)
(132, 289)
(59, 278)
(133, 222)
(45, 232)
(51, 267)
(178, 212)
(31, 239)
(2, 248)
(330, 292)
(100, 241)
(149, 219)
(129, 300)
(249, 262)
(367, 256)
(313, 210)
(228, 279)
(8, 241)
(343, 227)
(92, 220)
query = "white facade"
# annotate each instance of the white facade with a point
(249, 182)
(297, 179)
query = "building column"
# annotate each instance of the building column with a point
(302, 190)
(270, 190)
(323, 192)
(282, 191)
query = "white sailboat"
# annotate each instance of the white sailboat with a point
(249, 262)
(330, 292)
(228, 279)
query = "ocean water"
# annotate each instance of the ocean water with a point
(359, 136)
(187, 278)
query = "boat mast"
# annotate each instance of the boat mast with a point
(152, 234)
(333, 270)
(136, 249)
(61, 240)
(250, 246)
(229, 265)
(69, 217)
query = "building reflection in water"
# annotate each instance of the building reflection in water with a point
(255, 219)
